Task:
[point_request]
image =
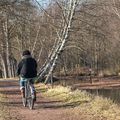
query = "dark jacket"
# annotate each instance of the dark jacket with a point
(27, 67)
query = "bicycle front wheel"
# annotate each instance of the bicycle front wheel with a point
(31, 103)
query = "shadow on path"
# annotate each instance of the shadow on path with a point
(12, 92)
(14, 98)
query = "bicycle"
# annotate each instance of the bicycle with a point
(28, 95)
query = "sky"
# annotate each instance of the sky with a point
(43, 3)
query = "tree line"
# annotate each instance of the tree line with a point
(64, 35)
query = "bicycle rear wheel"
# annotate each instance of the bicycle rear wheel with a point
(24, 99)
(30, 99)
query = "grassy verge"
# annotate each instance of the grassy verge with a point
(85, 106)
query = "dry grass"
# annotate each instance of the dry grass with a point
(88, 107)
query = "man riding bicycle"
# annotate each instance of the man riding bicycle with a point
(27, 69)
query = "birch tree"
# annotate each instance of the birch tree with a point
(63, 35)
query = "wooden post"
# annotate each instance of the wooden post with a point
(52, 79)
(91, 80)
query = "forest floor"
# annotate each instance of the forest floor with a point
(44, 109)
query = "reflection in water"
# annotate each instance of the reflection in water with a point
(113, 94)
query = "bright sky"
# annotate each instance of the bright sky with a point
(43, 3)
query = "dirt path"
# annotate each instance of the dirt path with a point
(44, 109)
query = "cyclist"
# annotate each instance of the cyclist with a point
(27, 69)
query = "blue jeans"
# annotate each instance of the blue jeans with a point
(23, 80)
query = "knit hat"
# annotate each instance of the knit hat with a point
(26, 52)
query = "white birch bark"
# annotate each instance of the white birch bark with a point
(58, 47)
(3, 66)
(65, 36)
(5, 30)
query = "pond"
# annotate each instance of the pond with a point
(113, 94)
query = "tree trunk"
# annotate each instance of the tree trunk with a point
(5, 73)
(7, 44)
